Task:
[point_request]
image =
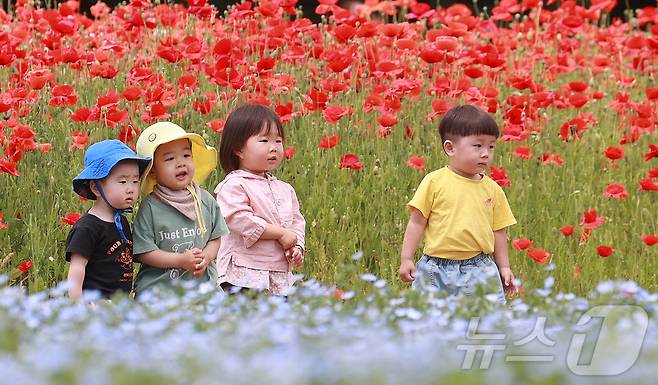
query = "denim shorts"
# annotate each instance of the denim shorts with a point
(459, 276)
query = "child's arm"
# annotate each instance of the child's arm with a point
(241, 219)
(501, 257)
(412, 236)
(286, 237)
(187, 260)
(77, 275)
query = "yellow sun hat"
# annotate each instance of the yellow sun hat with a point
(204, 156)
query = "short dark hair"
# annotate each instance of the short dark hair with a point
(244, 122)
(467, 120)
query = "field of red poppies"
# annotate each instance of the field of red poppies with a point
(361, 96)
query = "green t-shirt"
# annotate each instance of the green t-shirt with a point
(160, 226)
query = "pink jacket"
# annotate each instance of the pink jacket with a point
(249, 202)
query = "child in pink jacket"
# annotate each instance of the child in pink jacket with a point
(266, 227)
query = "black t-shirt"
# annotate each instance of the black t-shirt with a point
(110, 261)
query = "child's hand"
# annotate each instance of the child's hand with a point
(295, 256)
(407, 271)
(190, 259)
(202, 265)
(288, 239)
(507, 277)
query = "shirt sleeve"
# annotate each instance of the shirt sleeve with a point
(502, 216)
(240, 218)
(143, 230)
(80, 241)
(298, 221)
(219, 226)
(424, 197)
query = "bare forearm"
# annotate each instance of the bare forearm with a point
(76, 276)
(412, 236)
(211, 249)
(501, 250)
(161, 259)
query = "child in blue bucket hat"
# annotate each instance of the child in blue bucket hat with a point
(99, 246)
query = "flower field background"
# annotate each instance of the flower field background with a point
(361, 97)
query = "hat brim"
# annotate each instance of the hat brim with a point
(204, 157)
(81, 182)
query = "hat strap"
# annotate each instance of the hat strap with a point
(117, 214)
(197, 208)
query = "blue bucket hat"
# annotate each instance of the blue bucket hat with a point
(100, 158)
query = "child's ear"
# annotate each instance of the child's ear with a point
(449, 147)
(239, 153)
(93, 188)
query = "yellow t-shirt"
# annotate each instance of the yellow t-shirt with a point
(461, 213)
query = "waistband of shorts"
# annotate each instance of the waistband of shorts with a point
(444, 262)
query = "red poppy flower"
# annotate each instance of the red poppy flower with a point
(650, 239)
(387, 120)
(108, 101)
(39, 78)
(653, 152)
(205, 103)
(63, 96)
(332, 114)
(578, 86)
(591, 221)
(648, 184)
(132, 93)
(652, 93)
(128, 133)
(81, 115)
(115, 116)
(79, 139)
(521, 243)
(104, 71)
(615, 190)
(285, 111)
(70, 218)
(188, 81)
(9, 167)
(614, 153)
(499, 175)
(25, 266)
(522, 152)
(329, 141)
(2, 224)
(344, 32)
(653, 173)
(289, 152)
(578, 100)
(350, 161)
(567, 230)
(538, 255)
(408, 132)
(550, 158)
(318, 100)
(216, 125)
(605, 251)
(416, 162)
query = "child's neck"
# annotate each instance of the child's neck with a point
(261, 173)
(102, 211)
(465, 175)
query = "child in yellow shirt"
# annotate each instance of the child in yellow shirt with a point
(462, 213)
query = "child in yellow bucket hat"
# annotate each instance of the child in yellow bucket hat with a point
(178, 226)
